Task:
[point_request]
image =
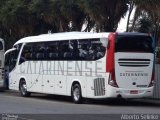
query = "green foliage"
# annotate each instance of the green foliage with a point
(152, 10)
(21, 18)
(105, 13)
(144, 24)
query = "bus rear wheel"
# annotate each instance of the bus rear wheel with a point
(76, 94)
(23, 89)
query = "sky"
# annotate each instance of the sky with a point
(122, 25)
(123, 22)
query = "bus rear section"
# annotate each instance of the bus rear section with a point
(2, 84)
(133, 67)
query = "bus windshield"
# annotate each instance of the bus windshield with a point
(134, 44)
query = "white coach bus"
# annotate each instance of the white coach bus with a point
(83, 65)
(2, 83)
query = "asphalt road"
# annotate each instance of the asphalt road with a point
(46, 107)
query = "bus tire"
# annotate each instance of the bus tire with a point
(76, 94)
(23, 89)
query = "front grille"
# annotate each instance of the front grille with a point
(134, 62)
(99, 86)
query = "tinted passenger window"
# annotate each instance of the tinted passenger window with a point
(134, 44)
(65, 51)
(52, 50)
(83, 47)
(88, 49)
(97, 49)
(39, 51)
(91, 49)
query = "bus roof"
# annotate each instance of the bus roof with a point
(132, 34)
(70, 36)
(62, 36)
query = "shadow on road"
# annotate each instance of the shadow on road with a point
(127, 102)
(108, 102)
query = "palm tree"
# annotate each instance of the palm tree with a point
(16, 18)
(152, 8)
(131, 5)
(105, 13)
(144, 24)
(20, 18)
(73, 13)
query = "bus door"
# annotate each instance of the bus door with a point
(11, 59)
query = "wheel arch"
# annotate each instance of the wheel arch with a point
(21, 79)
(76, 97)
(76, 81)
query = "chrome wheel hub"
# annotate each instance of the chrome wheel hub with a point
(76, 94)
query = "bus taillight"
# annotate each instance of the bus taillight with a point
(110, 64)
(112, 79)
(152, 79)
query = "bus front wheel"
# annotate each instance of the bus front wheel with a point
(76, 94)
(23, 89)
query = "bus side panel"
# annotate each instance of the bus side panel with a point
(71, 80)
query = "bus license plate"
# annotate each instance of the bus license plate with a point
(134, 92)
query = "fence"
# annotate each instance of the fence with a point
(156, 93)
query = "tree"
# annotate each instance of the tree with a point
(151, 8)
(144, 24)
(20, 18)
(131, 5)
(16, 21)
(105, 13)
